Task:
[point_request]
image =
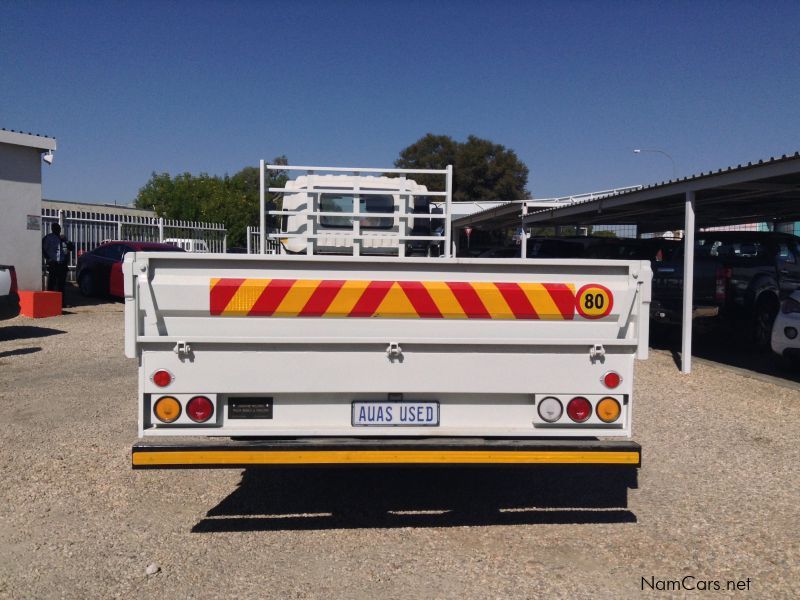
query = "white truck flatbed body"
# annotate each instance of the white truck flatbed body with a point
(483, 341)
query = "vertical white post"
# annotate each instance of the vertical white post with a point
(262, 216)
(448, 208)
(119, 230)
(356, 210)
(224, 242)
(688, 285)
(161, 229)
(523, 249)
(402, 220)
(314, 204)
(249, 249)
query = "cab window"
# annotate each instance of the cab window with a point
(369, 204)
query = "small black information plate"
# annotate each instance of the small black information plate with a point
(250, 407)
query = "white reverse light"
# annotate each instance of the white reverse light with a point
(550, 409)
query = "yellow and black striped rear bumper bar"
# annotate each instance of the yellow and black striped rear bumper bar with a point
(175, 454)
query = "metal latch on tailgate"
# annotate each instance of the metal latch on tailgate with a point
(182, 349)
(394, 351)
(597, 352)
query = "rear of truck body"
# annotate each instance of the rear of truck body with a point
(379, 360)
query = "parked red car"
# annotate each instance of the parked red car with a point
(99, 271)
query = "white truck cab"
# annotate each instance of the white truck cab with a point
(358, 214)
(339, 221)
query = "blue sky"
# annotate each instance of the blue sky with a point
(129, 88)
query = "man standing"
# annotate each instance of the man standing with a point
(56, 249)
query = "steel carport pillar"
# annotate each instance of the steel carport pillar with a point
(448, 250)
(262, 220)
(688, 284)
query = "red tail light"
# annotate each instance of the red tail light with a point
(162, 378)
(723, 275)
(611, 379)
(14, 289)
(579, 409)
(200, 409)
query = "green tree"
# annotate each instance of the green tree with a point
(230, 200)
(179, 197)
(483, 170)
(429, 152)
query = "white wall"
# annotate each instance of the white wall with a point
(20, 196)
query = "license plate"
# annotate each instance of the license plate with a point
(395, 414)
(250, 408)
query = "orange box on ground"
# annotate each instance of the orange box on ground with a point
(38, 305)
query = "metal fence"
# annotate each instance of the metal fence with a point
(88, 229)
(752, 227)
(678, 233)
(272, 245)
(630, 231)
(619, 231)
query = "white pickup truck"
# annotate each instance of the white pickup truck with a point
(274, 360)
(9, 297)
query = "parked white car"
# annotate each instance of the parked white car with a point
(785, 340)
(9, 298)
(188, 244)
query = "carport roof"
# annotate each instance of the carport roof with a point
(502, 215)
(767, 190)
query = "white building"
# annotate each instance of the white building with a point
(21, 204)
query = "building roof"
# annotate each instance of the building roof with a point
(90, 207)
(31, 140)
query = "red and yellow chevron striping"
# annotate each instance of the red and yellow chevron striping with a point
(391, 299)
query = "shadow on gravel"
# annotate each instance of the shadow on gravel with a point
(352, 498)
(20, 351)
(74, 298)
(26, 332)
(725, 343)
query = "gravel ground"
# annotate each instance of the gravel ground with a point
(717, 498)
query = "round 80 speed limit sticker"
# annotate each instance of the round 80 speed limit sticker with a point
(594, 301)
